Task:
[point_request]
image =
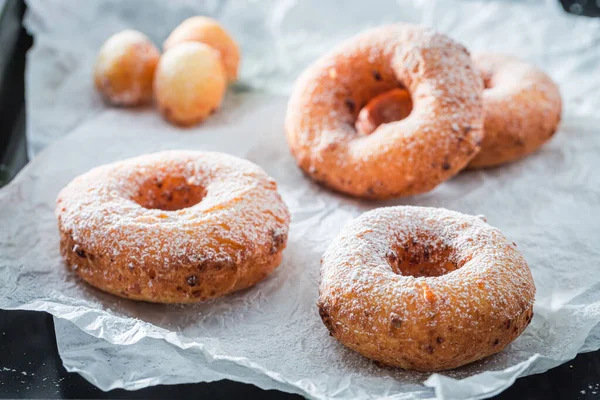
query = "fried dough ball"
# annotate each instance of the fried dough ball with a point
(189, 83)
(125, 67)
(207, 30)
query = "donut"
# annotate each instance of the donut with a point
(124, 68)
(402, 158)
(189, 83)
(173, 227)
(207, 30)
(522, 107)
(426, 289)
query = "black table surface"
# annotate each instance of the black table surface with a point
(30, 366)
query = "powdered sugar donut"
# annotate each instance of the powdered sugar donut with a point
(437, 139)
(424, 288)
(173, 227)
(522, 108)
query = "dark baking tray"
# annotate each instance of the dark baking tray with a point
(30, 366)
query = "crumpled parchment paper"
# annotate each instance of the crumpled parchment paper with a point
(271, 335)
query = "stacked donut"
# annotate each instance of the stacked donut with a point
(397, 110)
(188, 81)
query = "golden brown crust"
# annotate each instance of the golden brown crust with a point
(437, 349)
(423, 288)
(402, 158)
(182, 283)
(173, 227)
(522, 107)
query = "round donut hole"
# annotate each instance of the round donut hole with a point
(422, 258)
(169, 194)
(487, 78)
(390, 106)
(487, 83)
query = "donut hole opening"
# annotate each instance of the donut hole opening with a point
(422, 258)
(488, 81)
(390, 106)
(169, 194)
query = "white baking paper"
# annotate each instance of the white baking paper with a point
(271, 335)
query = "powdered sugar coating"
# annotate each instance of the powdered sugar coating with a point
(401, 158)
(423, 322)
(240, 221)
(522, 107)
